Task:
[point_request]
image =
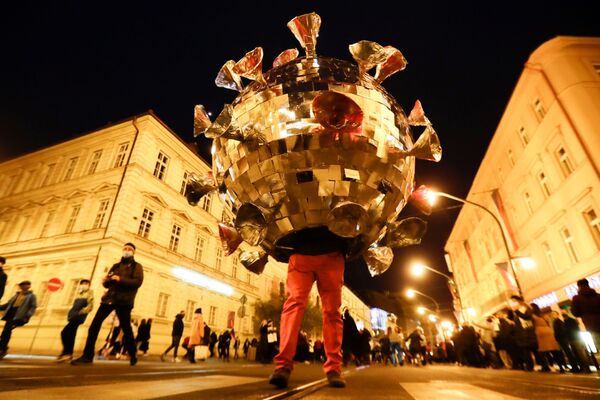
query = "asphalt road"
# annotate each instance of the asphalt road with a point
(40, 378)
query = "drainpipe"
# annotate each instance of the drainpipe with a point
(112, 209)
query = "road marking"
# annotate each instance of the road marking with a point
(452, 391)
(49, 377)
(143, 389)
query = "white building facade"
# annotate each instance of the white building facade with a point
(540, 176)
(66, 210)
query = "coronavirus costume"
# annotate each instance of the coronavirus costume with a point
(315, 160)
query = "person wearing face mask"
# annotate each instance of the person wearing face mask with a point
(82, 306)
(122, 283)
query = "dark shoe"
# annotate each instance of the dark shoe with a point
(64, 358)
(335, 379)
(82, 361)
(280, 377)
(162, 357)
(3, 354)
(133, 360)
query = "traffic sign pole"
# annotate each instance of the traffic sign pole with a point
(53, 285)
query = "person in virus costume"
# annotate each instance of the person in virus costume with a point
(314, 161)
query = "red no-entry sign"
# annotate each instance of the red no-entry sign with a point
(54, 284)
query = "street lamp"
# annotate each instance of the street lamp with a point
(411, 293)
(432, 318)
(424, 194)
(421, 310)
(417, 269)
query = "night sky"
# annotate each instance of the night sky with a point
(73, 68)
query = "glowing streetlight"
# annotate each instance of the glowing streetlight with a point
(410, 293)
(471, 311)
(421, 310)
(447, 325)
(417, 270)
(432, 318)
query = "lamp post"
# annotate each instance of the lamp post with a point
(429, 195)
(410, 293)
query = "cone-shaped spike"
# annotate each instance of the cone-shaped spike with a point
(306, 29)
(395, 62)
(406, 232)
(250, 66)
(230, 238)
(378, 259)
(427, 146)
(228, 79)
(201, 120)
(417, 115)
(285, 57)
(254, 261)
(368, 54)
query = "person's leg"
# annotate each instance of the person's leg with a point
(6, 333)
(68, 336)
(124, 315)
(175, 345)
(299, 282)
(330, 279)
(103, 311)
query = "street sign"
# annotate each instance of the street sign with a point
(54, 284)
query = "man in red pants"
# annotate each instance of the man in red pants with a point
(318, 256)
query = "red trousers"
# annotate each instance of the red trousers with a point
(328, 271)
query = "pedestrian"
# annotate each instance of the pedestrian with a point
(504, 340)
(246, 347)
(524, 332)
(548, 348)
(561, 336)
(396, 339)
(122, 283)
(224, 344)
(386, 346)
(573, 334)
(144, 335)
(317, 255)
(236, 345)
(349, 337)
(3, 276)
(213, 341)
(17, 312)
(176, 334)
(206, 336)
(196, 334)
(586, 305)
(319, 351)
(415, 340)
(82, 306)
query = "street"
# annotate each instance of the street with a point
(41, 378)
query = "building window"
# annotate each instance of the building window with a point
(160, 169)
(71, 164)
(190, 307)
(145, 223)
(49, 173)
(163, 303)
(94, 162)
(524, 136)
(29, 180)
(49, 219)
(549, 255)
(544, 183)
(234, 266)
(184, 183)
(175, 236)
(540, 110)
(527, 199)
(121, 154)
(206, 200)
(212, 315)
(200, 242)
(594, 224)
(566, 165)
(73, 218)
(73, 286)
(24, 225)
(511, 158)
(99, 220)
(568, 241)
(218, 259)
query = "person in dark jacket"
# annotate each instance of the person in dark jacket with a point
(176, 334)
(3, 276)
(82, 306)
(143, 336)
(349, 337)
(17, 312)
(213, 341)
(526, 339)
(573, 335)
(206, 337)
(561, 336)
(586, 305)
(122, 281)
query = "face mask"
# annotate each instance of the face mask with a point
(127, 254)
